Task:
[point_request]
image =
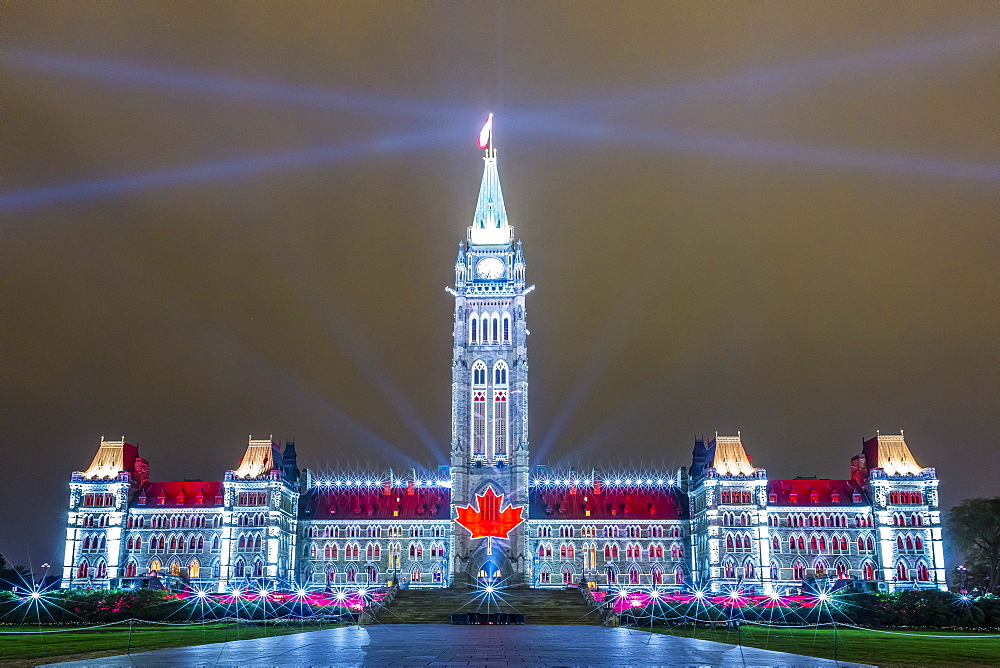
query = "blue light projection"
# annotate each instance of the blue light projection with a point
(775, 78)
(755, 149)
(225, 169)
(225, 86)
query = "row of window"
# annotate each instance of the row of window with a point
(375, 531)
(94, 520)
(251, 520)
(735, 496)
(907, 519)
(635, 575)
(611, 551)
(180, 521)
(252, 499)
(820, 520)
(98, 500)
(489, 329)
(352, 551)
(611, 531)
(175, 543)
(799, 543)
(906, 497)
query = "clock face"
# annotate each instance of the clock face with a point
(490, 268)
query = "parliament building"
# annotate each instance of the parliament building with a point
(719, 524)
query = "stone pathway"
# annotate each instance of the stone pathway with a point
(445, 645)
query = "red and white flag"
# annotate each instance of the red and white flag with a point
(484, 136)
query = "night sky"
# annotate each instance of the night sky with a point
(223, 219)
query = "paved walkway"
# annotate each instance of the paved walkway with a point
(439, 645)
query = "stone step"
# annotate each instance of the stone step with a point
(539, 606)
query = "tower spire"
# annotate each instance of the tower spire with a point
(489, 224)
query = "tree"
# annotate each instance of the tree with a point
(13, 576)
(974, 525)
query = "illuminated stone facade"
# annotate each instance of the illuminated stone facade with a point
(718, 525)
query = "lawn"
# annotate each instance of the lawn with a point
(862, 646)
(31, 649)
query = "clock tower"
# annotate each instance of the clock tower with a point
(489, 388)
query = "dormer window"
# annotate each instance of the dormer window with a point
(161, 499)
(772, 498)
(142, 499)
(793, 497)
(814, 497)
(835, 497)
(857, 498)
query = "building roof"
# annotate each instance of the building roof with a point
(489, 224)
(825, 492)
(728, 456)
(179, 495)
(619, 502)
(418, 503)
(260, 459)
(890, 453)
(112, 458)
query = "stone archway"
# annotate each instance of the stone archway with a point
(484, 568)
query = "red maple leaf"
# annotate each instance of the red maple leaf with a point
(488, 519)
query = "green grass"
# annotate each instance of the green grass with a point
(69, 644)
(862, 646)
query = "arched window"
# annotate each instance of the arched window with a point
(83, 570)
(567, 575)
(194, 568)
(131, 569)
(923, 574)
(484, 335)
(868, 571)
(239, 570)
(258, 568)
(918, 543)
(544, 576)
(820, 567)
(748, 570)
(657, 575)
(899, 542)
(496, 329)
(729, 570)
(372, 573)
(154, 566)
(841, 570)
(679, 575)
(506, 328)
(473, 327)
(633, 575)
(798, 570)
(902, 572)
(775, 571)
(500, 412)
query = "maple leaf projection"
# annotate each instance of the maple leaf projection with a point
(489, 520)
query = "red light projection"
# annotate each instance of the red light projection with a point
(490, 519)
